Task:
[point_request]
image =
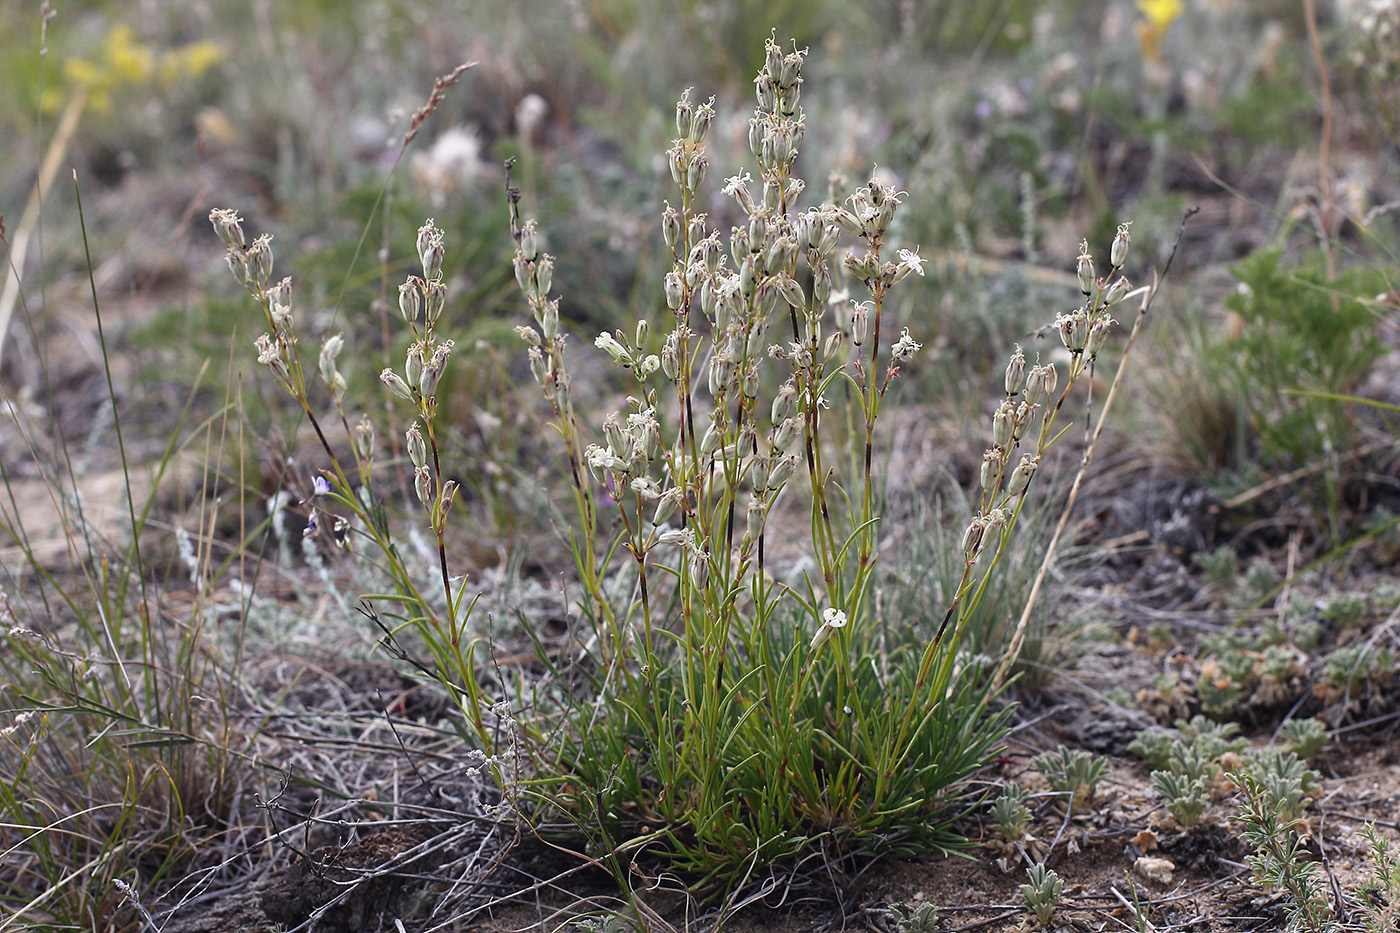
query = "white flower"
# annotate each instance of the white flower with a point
(833, 617)
(912, 260)
(734, 182)
(906, 346)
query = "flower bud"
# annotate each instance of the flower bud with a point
(1085, 268)
(695, 172)
(972, 538)
(675, 290)
(1074, 329)
(435, 300)
(700, 123)
(432, 373)
(544, 274)
(755, 518)
(529, 240)
(991, 468)
(1116, 291)
(260, 257)
(781, 472)
(710, 441)
(423, 484)
(685, 114)
(700, 568)
(860, 322)
(1003, 424)
(1016, 372)
(670, 226)
(666, 507)
(237, 264)
(835, 343)
(549, 319)
(413, 365)
(785, 433)
(396, 383)
(417, 447)
(1021, 476)
(1118, 254)
(329, 351)
(228, 225)
(410, 300)
(430, 249)
(1098, 333)
(445, 497)
(364, 438)
(537, 365)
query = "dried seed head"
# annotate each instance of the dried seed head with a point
(682, 538)
(445, 497)
(435, 299)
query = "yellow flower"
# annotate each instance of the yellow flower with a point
(1160, 15)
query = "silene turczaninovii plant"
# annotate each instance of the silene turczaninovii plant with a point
(728, 712)
(737, 716)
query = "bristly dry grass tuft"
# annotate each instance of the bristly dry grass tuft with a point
(439, 93)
